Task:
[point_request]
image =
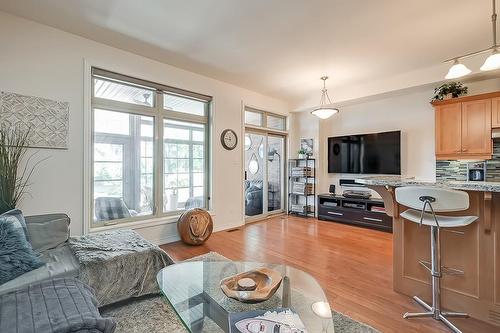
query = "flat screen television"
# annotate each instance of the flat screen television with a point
(377, 153)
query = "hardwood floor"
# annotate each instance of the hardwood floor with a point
(352, 264)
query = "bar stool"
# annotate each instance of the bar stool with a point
(424, 203)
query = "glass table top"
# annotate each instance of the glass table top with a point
(193, 290)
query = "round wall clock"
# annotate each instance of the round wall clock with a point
(229, 139)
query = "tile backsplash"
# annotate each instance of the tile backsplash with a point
(457, 170)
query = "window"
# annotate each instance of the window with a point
(253, 118)
(135, 175)
(263, 119)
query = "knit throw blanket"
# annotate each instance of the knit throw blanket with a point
(118, 264)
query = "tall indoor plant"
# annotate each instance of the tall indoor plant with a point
(14, 178)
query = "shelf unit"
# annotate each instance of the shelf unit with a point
(307, 198)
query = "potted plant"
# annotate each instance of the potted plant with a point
(449, 90)
(302, 153)
(14, 178)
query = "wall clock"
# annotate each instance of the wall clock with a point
(229, 139)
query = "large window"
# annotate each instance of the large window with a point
(150, 149)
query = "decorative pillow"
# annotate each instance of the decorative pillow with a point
(16, 217)
(16, 254)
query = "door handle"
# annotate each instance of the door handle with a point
(335, 213)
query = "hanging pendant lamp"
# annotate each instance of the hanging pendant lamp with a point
(492, 62)
(325, 109)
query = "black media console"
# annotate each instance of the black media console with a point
(363, 212)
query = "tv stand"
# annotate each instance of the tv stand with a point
(357, 211)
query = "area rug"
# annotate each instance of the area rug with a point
(153, 314)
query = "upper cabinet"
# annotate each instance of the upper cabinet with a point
(463, 126)
(476, 127)
(449, 129)
(495, 112)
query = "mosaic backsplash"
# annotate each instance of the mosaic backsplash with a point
(457, 170)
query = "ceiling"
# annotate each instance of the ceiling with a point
(278, 47)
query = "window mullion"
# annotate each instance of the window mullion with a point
(160, 158)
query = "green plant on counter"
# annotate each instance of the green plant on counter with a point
(451, 89)
(14, 178)
(302, 151)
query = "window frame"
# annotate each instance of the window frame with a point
(264, 115)
(158, 115)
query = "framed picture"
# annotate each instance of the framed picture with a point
(307, 145)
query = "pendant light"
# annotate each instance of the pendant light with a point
(491, 63)
(457, 70)
(325, 109)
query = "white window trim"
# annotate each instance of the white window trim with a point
(88, 202)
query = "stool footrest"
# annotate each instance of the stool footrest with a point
(445, 270)
(452, 271)
(426, 264)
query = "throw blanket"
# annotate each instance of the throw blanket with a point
(53, 306)
(118, 264)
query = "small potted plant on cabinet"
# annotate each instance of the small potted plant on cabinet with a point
(449, 90)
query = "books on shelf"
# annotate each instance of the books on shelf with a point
(302, 188)
(300, 208)
(304, 171)
(282, 320)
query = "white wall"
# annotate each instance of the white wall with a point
(42, 61)
(409, 112)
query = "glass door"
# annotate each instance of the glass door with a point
(264, 188)
(255, 170)
(275, 173)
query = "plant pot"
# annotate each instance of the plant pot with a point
(302, 156)
(448, 96)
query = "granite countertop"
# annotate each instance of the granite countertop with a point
(397, 181)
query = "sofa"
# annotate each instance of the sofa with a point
(48, 235)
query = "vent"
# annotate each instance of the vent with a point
(494, 317)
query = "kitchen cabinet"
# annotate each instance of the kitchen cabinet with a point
(463, 126)
(495, 112)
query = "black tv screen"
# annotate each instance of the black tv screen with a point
(378, 153)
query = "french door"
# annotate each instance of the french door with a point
(264, 184)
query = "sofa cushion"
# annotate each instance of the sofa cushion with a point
(53, 306)
(60, 262)
(47, 231)
(15, 216)
(16, 254)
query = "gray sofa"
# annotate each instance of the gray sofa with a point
(48, 235)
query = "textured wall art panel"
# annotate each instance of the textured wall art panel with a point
(47, 120)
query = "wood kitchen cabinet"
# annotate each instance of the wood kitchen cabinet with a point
(495, 112)
(463, 126)
(476, 127)
(449, 129)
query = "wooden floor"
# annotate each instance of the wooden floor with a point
(352, 264)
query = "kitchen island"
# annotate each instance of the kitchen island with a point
(474, 249)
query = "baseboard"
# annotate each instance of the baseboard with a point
(165, 240)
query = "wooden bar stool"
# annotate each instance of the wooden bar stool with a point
(425, 202)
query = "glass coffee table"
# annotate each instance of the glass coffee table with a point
(193, 290)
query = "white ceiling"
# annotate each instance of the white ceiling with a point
(278, 47)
